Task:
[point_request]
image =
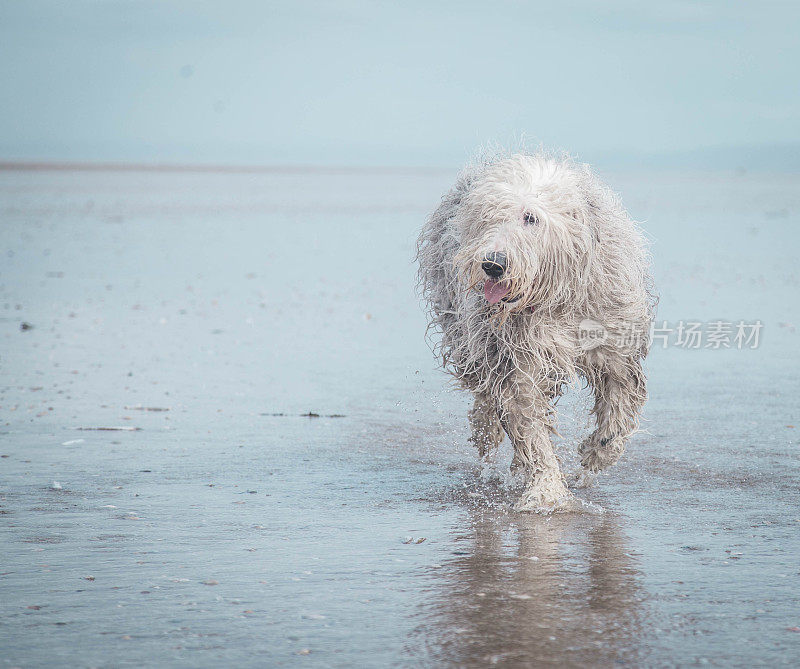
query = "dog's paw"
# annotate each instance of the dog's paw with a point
(598, 454)
(545, 505)
(547, 497)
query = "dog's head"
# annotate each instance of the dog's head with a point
(525, 233)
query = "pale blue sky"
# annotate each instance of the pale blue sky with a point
(391, 83)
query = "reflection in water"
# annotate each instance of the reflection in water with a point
(526, 589)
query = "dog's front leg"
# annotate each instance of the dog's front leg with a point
(620, 393)
(527, 419)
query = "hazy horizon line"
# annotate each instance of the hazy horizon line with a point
(216, 167)
(764, 157)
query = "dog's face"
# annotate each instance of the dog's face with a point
(525, 234)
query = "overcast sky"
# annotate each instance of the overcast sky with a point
(401, 83)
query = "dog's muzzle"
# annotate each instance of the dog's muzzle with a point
(494, 264)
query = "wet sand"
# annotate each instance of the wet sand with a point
(206, 313)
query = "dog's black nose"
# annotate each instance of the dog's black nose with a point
(494, 264)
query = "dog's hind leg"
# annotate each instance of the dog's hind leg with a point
(487, 432)
(620, 391)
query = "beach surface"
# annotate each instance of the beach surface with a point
(225, 441)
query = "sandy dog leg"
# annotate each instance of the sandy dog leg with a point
(487, 432)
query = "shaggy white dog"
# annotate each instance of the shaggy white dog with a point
(535, 275)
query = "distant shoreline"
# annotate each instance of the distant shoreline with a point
(57, 166)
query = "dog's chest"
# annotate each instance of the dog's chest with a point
(529, 342)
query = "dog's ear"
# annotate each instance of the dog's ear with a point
(585, 238)
(593, 213)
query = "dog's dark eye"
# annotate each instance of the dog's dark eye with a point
(530, 219)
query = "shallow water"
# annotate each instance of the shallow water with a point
(228, 528)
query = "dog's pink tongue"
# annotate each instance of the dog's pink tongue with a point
(495, 290)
